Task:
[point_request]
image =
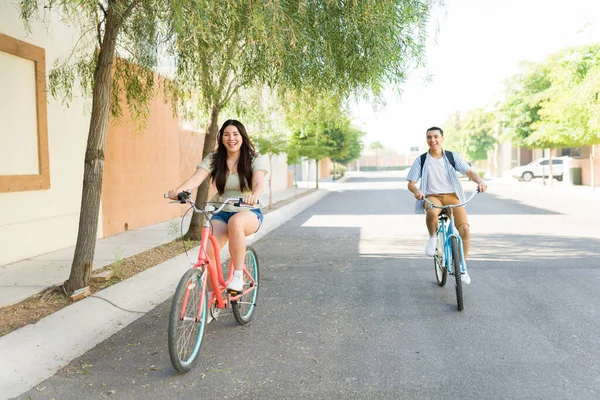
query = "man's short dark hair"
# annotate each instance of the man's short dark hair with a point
(435, 128)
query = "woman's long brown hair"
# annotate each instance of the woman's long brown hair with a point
(244, 165)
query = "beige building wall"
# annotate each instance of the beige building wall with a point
(40, 214)
(585, 163)
(279, 173)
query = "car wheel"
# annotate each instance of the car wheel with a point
(527, 176)
(559, 178)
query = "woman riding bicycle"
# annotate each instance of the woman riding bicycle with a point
(237, 171)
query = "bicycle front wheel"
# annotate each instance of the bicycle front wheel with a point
(243, 308)
(441, 272)
(457, 271)
(187, 321)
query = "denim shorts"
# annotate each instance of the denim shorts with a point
(226, 215)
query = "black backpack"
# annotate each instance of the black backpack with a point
(449, 154)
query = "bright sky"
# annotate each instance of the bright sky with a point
(478, 44)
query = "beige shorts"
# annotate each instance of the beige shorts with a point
(460, 215)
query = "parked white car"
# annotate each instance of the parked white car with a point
(540, 168)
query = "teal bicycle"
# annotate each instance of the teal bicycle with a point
(449, 257)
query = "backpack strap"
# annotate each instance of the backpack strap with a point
(449, 154)
(423, 157)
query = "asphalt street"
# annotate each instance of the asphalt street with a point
(349, 308)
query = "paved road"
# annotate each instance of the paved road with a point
(349, 308)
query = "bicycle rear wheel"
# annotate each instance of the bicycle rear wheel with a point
(457, 272)
(441, 272)
(243, 308)
(187, 321)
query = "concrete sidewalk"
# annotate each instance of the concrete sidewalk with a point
(35, 352)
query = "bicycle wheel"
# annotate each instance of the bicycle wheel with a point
(457, 271)
(187, 321)
(441, 272)
(243, 308)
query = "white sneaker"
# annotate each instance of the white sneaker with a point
(465, 278)
(430, 248)
(237, 283)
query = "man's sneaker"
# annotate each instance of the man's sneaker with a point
(465, 278)
(237, 283)
(430, 248)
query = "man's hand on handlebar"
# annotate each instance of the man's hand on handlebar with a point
(419, 195)
(481, 187)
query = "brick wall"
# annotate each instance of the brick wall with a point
(140, 166)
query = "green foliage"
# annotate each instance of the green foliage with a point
(347, 143)
(472, 135)
(569, 111)
(141, 30)
(520, 110)
(376, 146)
(555, 103)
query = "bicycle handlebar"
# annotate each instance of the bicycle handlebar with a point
(186, 197)
(431, 205)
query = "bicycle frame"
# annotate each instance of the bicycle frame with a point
(215, 272)
(447, 233)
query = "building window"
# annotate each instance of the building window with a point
(24, 161)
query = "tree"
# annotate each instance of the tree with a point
(376, 146)
(353, 47)
(346, 144)
(569, 114)
(521, 111)
(521, 107)
(114, 31)
(475, 137)
(220, 46)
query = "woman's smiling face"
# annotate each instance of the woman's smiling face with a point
(232, 139)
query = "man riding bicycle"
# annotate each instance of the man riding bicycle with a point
(440, 185)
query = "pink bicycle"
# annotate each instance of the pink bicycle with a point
(191, 302)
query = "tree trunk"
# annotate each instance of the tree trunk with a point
(195, 230)
(94, 159)
(317, 172)
(593, 175)
(270, 181)
(550, 174)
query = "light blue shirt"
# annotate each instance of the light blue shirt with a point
(415, 174)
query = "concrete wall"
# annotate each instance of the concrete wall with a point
(38, 220)
(586, 167)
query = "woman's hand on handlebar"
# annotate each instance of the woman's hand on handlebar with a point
(419, 195)
(172, 194)
(250, 199)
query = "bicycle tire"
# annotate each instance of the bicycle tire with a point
(441, 272)
(456, 268)
(186, 336)
(243, 308)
